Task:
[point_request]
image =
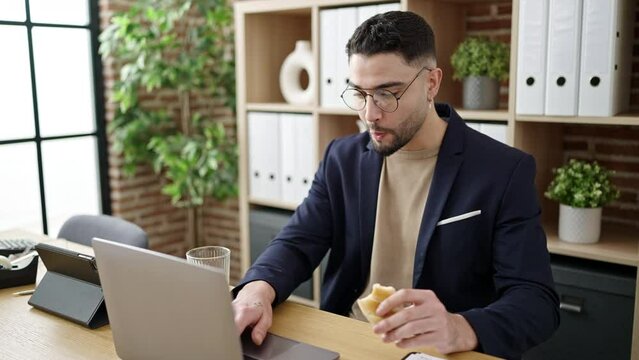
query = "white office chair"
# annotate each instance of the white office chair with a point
(82, 228)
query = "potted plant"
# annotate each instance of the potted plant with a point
(481, 64)
(581, 188)
(183, 50)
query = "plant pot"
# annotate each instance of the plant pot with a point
(579, 225)
(481, 93)
(301, 59)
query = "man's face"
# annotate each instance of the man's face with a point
(390, 131)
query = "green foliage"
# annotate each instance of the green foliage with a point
(582, 184)
(196, 166)
(479, 56)
(186, 47)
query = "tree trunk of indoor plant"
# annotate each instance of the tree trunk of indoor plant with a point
(579, 225)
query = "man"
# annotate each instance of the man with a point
(421, 202)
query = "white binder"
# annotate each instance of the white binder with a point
(256, 173)
(329, 93)
(365, 12)
(495, 131)
(382, 8)
(603, 89)
(346, 24)
(368, 11)
(474, 125)
(264, 155)
(306, 161)
(564, 44)
(288, 143)
(531, 54)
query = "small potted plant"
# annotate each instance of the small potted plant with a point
(481, 64)
(581, 188)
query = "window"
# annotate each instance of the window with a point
(52, 138)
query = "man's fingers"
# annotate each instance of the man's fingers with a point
(421, 340)
(399, 318)
(403, 297)
(245, 315)
(411, 329)
(263, 324)
(395, 300)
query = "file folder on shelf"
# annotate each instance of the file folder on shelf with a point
(346, 24)
(306, 162)
(298, 159)
(606, 49)
(382, 8)
(564, 45)
(329, 93)
(531, 54)
(366, 12)
(264, 159)
(288, 153)
(495, 131)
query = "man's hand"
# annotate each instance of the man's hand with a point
(252, 307)
(424, 323)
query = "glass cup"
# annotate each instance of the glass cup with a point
(216, 256)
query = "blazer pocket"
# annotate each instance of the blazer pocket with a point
(459, 217)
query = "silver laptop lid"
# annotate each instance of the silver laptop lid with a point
(161, 307)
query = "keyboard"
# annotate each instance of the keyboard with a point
(12, 246)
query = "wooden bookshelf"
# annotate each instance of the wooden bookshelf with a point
(622, 119)
(266, 31)
(484, 115)
(618, 245)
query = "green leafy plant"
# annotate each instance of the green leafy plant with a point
(479, 56)
(582, 184)
(181, 47)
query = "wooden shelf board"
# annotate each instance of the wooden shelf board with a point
(619, 245)
(337, 111)
(284, 6)
(299, 6)
(621, 119)
(280, 107)
(496, 115)
(273, 203)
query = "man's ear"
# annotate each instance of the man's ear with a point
(434, 82)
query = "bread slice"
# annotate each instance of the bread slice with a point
(369, 304)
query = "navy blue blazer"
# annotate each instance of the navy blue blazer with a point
(492, 268)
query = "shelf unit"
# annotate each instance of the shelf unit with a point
(266, 31)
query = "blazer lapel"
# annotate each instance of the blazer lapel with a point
(448, 162)
(370, 170)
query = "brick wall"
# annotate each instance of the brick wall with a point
(616, 147)
(138, 199)
(494, 22)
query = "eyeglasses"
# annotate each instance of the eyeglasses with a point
(382, 98)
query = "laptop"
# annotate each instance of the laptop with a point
(162, 307)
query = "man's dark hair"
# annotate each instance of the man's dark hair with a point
(401, 32)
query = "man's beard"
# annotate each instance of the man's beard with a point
(401, 136)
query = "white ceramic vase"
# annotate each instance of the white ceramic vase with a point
(579, 225)
(300, 59)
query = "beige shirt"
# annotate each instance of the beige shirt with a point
(403, 189)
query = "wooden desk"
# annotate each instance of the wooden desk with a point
(28, 333)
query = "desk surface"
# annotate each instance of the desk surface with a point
(28, 333)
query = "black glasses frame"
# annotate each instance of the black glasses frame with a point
(365, 95)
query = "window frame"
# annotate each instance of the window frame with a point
(98, 91)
